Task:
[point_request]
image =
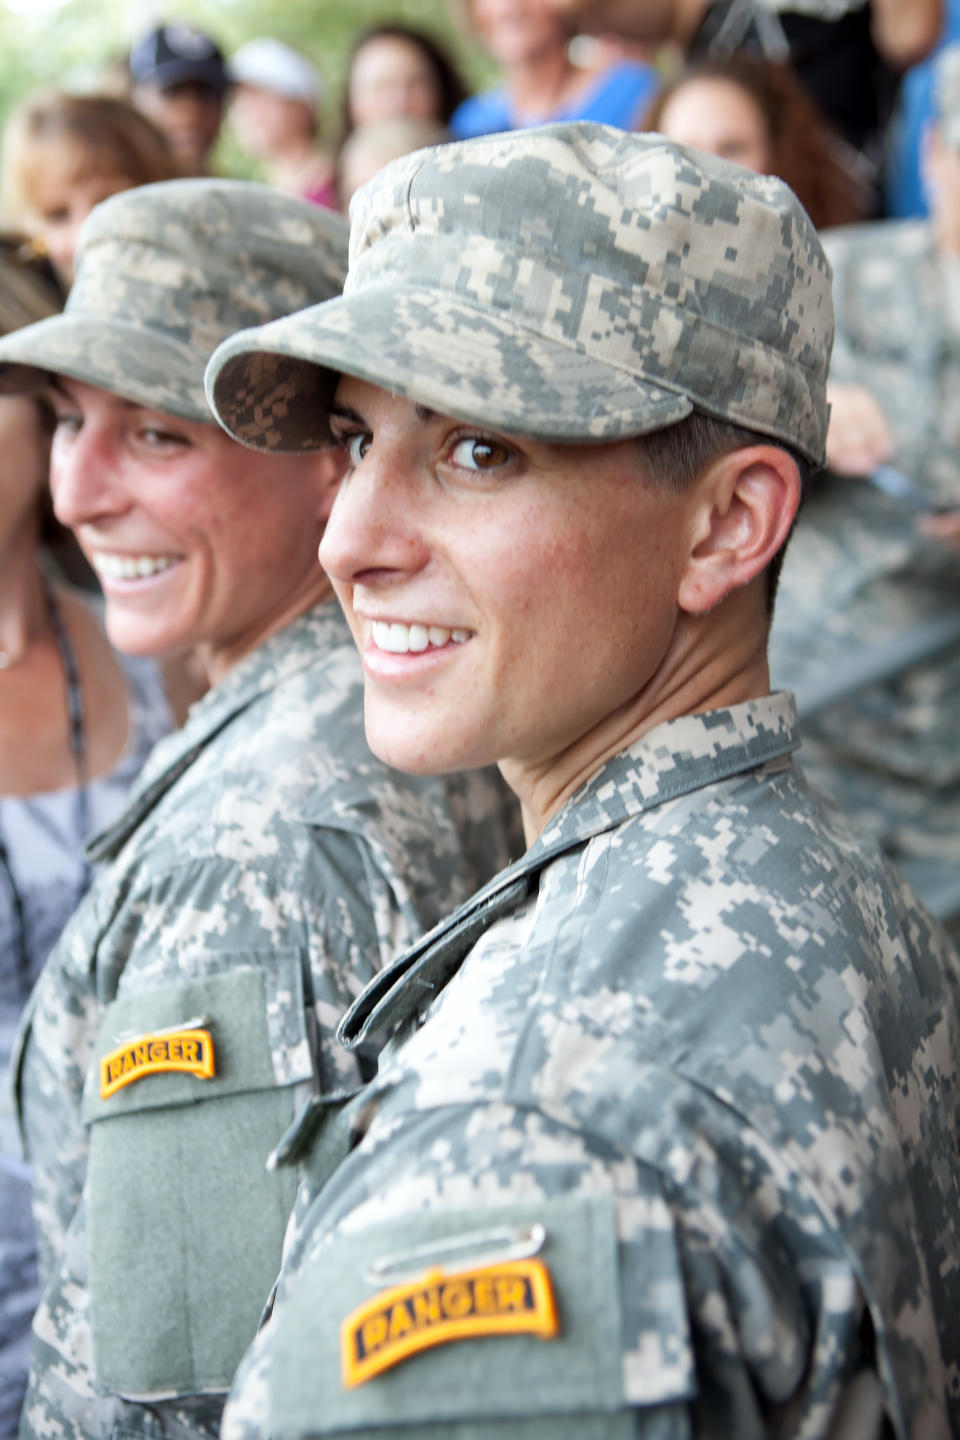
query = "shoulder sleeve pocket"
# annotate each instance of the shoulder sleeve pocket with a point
(384, 1331)
(193, 1085)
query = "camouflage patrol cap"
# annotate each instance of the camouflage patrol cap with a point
(567, 283)
(163, 274)
(946, 89)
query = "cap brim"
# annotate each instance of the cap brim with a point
(215, 75)
(271, 386)
(137, 364)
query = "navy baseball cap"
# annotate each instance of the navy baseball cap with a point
(177, 54)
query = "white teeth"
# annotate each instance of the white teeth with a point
(130, 567)
(399, 639)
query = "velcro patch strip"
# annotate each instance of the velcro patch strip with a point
(186, 1051)
(509, 1299)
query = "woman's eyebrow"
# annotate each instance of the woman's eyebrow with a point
(344, 412)
(60, 385)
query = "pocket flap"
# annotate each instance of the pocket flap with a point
(202, 1037)
(186, 1222)
(471, 1342)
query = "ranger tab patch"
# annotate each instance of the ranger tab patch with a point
(509, 1299)
(190, 1051)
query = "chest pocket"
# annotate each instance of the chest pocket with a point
(194, 1084)
(556, 1376)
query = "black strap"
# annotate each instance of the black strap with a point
(19, 919)
(76, 715)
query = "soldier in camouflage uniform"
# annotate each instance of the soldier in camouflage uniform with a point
(664, 1138)
(868, 571)
(267, 865)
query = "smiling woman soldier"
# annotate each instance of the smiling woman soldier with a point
(267, 865)
(664, 1143)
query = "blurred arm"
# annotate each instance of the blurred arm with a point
(905, 31)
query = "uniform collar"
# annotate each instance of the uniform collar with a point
(305, 642)
(673, 759)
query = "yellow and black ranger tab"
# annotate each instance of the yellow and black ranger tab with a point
(186, 1048)
(515, 1297)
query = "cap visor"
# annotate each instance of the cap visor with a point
(214, 74)
(271, 387)
(127, 360)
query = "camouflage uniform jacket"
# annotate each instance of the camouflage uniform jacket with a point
(859, 574)
(704, 1038)
(266, 867)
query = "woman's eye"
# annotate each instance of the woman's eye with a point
(356, 447)
(66, 423)
(476, 454)
(156, 439)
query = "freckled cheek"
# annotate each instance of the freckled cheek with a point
(238, 537)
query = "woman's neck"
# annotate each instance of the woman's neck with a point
(539, 86)
(714, 661)
(300, 168)
(23, 607)
(216, 660)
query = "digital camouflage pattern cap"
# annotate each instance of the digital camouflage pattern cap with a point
(946, 88)
(568, 283)
(164, 273)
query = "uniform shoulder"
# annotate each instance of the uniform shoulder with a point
(727, 910)
(890, 240)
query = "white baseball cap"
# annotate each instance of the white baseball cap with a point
(268, 64)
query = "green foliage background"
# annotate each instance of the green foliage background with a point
(70, 41)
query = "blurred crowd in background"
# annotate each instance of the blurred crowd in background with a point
(821, 93)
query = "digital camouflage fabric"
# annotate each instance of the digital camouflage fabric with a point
(694, 1056)
(663, 1142)
(543, 283)
(164, 273)
(266, 868)
(860, 575)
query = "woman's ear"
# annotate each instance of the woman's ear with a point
(747, 503)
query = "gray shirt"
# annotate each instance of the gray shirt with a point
(44, 850)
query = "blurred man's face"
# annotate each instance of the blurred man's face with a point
(517, 31)
(189, 115)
